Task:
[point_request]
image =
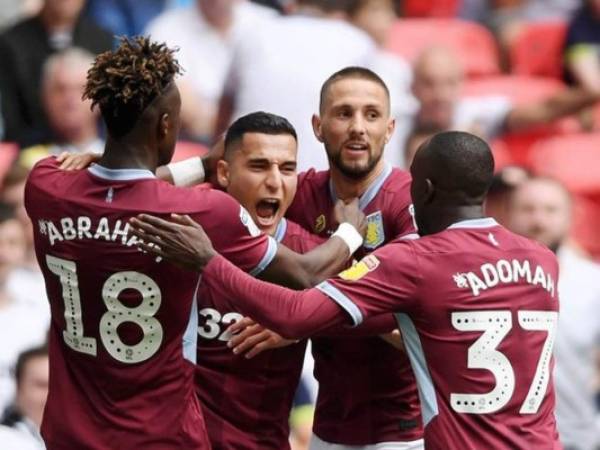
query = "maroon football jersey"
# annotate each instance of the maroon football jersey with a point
(247, 402)
(367, 391)
(478, 309)
(123, 329)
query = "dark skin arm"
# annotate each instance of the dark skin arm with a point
(176, 241)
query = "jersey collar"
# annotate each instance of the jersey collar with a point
(371, 191)
(280, 230)
(120, 174)
(484, 222)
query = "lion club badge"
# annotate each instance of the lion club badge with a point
(375, 234)
(320, 223)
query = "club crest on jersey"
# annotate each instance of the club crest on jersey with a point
(320, 223)
(375, 234)
(368, 264)
(248, 222)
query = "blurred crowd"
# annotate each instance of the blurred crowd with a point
(523, 74)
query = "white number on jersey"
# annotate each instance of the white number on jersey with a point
(141, 315)
(212, 323)
(483, 355)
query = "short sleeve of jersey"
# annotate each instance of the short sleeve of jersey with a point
(235, 235)
(385, 281)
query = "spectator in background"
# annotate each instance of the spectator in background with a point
(504, 183)
(23, 50)
(23, 321)
(12, 11)
(124, 17)
(281, 66)
(205, 33)
(13, 194)
(72, 122)
(582, 47)
(376, 18)
(437, 85)
(25, 416)
(541, 209)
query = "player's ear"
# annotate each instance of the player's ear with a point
(316, 124)
(223, 173)
(429, 193)
(391, 126)
(164, 124)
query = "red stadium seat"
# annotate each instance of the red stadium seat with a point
(431, 8)
(522, 90)
(572, 159)
(537, 49)
(186, 149)
(473, 43)
(586, 223)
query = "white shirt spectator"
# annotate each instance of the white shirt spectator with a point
(483, 116)
(280, 69)
(397, 75)
(577, 341)
(13, 439)
(204, 53)
(21, 328)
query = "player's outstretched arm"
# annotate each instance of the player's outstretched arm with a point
(293, 314)
(302, 271)
(180, 241)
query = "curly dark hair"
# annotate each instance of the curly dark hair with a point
(125, 81)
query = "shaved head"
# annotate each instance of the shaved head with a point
(451, 172)
(437, 84)
(437, 59)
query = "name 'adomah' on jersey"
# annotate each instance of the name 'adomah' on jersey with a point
(124, 323)
(367, 390)
(478, 308)
(247, 402)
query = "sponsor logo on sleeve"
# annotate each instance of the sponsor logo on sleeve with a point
(248, 222)
(375, 234)
(368, 264)
(320, 223)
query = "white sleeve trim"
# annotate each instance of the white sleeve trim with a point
(342, 300)
(267, 258)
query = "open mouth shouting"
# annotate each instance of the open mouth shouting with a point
(266, 211)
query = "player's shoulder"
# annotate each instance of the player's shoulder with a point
(313, 179)
(398, 180)
(297, 237)
(42, 169)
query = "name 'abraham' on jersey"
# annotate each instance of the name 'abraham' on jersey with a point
(124, 323)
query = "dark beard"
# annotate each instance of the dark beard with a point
(354, 173)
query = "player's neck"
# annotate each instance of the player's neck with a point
(448, 216)
(347, 188)
(128, 155)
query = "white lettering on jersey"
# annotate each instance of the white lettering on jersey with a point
(504, 272)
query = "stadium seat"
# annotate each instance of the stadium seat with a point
(187, 149)
(431, 8)
(572, 159)
(586, 223)
(522, 90)
(537, 49)
(473, 43)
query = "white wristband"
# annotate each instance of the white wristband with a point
(187, 172)
(350, 236)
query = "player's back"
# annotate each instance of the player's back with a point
(481, 329)
(123, 331)
(247, 402)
